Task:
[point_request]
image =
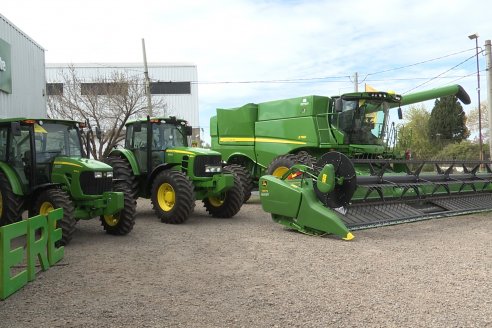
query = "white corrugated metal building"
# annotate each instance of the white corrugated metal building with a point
(22, 74)
(172, 81)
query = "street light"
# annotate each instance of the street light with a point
(475, 37)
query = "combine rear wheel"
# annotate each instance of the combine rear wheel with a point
(123, 170)
(122, 222)
(51, 199)
(172, 197)
(245, 178)
(229, 202)
(10, 203)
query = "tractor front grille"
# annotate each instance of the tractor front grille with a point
(92, 186)
(202, 160)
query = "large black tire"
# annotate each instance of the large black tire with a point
(228, 203)
(173, 197)
(282, 164)
(10, 203)
(122, 222)
(51, 199)
(245, 178)
(305, 158)
(123, 170)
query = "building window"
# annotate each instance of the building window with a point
(170, 88)
(103, 89)
(54, 89)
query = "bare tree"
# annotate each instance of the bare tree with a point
(107, 103)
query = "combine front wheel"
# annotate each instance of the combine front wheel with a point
(51, 199)
(280, 165)
(229, 202)
(172, 197)
(122, 222)
(245, 179)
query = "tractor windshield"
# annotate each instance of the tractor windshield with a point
(363, 121)
(56, 139)
(165, 135)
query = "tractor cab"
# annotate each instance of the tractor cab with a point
(161, 134)
(34, 145)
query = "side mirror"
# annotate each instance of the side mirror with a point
(15, 128)
(137, 126)
(400, 114)
(338, 105)
(188, 130)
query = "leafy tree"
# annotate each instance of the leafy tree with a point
(472, 121)
(107, 103)
(447, 121)
(414, 134)
(465, 150)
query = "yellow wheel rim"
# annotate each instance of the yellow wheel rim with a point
(216, 201)
(280, 171)
(166, 197)
(112, 220)
(45, 208)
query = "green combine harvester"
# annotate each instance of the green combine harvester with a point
(329, 165)
(42, 168)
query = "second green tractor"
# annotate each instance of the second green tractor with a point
(159, 164)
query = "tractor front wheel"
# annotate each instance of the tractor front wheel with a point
(173, 197)
(10, 203)
(227, 204)
(51, 199)
(122, 222)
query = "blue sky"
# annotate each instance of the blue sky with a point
(316, 46)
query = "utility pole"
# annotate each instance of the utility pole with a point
(147, 81)
(488, 56)
(356, 82)
(475, 37)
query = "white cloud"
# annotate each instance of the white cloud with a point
(241, 40)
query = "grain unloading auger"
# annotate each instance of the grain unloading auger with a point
(335, 195)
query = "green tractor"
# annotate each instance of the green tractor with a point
(42, 168)
(159, 165)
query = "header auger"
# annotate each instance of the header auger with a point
(332, 196)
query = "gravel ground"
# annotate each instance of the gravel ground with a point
(250, 272)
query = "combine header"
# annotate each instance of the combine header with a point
(329, 164)
(333, 196)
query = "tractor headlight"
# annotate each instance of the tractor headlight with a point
(213, 169)
(98, 175)
(109, 174)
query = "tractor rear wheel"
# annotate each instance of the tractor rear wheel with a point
(245, 178)
(173, 197)
(229, 202)
(280, 165)
(123, 170)
(10, 203)
(51, 199)
(122, 222)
